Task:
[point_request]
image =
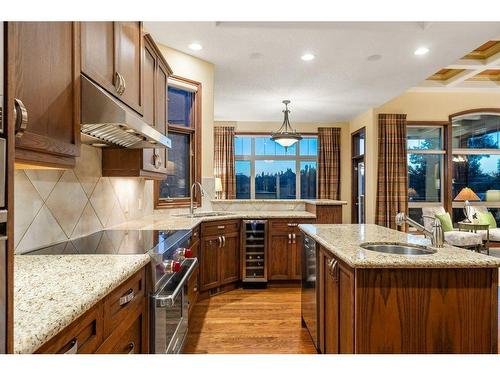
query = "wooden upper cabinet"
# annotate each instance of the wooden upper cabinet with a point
(149, 75)
(128, 52)
(98, 53)
(112, 57)
(43, 62)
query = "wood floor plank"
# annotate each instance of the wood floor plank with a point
(247, 321)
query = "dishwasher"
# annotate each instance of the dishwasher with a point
(309, 292)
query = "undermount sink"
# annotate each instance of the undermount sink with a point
(205, 214)
(397, 248)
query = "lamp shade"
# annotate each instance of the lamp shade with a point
(466, 194)
(218, 184)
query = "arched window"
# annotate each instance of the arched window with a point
(475, 160)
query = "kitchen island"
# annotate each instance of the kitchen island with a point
(372, 302)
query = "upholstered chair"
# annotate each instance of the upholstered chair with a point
(494, 232)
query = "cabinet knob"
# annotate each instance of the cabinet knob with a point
(131, 347)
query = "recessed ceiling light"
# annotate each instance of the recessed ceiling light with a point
(195, 46)
(307, 57)
(421, 51)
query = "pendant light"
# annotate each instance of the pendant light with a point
(286, 136)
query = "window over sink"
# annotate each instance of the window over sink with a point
(267, 170)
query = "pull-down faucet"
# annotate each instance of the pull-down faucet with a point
(191, 201)
(436, 235)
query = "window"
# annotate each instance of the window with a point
(183, 165)
(425, 171)
(476, 159)
(266, 170)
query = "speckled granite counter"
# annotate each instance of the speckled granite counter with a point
(343, 241)
(173, 222)
(51, 291)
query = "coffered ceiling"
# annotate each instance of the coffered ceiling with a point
(357, 65)
(478, 70)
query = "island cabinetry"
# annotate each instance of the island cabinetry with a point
(336, 305)
(219, 254)
(116, 324)
(406, 310)
(285, 246)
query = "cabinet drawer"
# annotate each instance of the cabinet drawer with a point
(220, 227)
(121, 301)
(288, 226)
(129, 337)
(84, 335)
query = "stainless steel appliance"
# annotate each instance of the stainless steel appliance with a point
(171, 265)
(106, 122)
(3, 207)
(310, 294)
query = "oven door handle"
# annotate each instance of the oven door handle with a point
(169, 300)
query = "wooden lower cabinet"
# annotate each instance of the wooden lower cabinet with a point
(219, 254)
(284, 249)
(409, 311)
(116, 324)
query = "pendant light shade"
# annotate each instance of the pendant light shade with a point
(286, 136)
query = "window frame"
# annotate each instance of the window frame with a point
(195, 150)
(297, 158)
(469, 151)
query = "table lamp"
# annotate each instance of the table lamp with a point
(466, 195)
(218, 187)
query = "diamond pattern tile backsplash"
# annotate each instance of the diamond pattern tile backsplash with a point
(54, 205)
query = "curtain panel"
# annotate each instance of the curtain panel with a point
(329, 163)
(224, 160)
(392, 181)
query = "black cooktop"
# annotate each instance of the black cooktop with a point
(117, 242)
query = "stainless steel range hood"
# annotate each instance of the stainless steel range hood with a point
(107, 122)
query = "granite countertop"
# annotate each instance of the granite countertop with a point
(318, 202)
(51, 291)
(343, 241)
(173, 222)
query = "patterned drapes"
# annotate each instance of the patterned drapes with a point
(224, 160)
(392, 181)
(328, 163)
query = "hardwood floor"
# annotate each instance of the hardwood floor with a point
(249, 321)
(246, 321)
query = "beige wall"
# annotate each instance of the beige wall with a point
(419, 106)
(190, 67)
(345, 162)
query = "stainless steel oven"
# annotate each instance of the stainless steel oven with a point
(309, 293)
(169, 307)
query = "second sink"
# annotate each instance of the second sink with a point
(398, 248)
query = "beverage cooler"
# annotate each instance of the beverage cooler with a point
(254, 247)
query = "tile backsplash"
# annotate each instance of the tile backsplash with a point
(54, 205)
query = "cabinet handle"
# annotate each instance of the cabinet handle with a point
(294, 237)
(195, 289)
(131, 347)
(333, 269)
(221, 226)
(223, 241)
(156, 159)
(127, 297)
(289, 238)
(292, 224)
(124, 86)
(73, 349)
(21, 116)
(118, 83)
(220, 241)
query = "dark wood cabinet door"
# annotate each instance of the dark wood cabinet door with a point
(98, 53)
(128, 53)
(278, 256)
(209, 263)
(331, 307)
(149, 81)
(193, 283)
(230, 259)
(44, 60)
(161, 98)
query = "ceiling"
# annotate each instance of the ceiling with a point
(478, 70)
(258, 64)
